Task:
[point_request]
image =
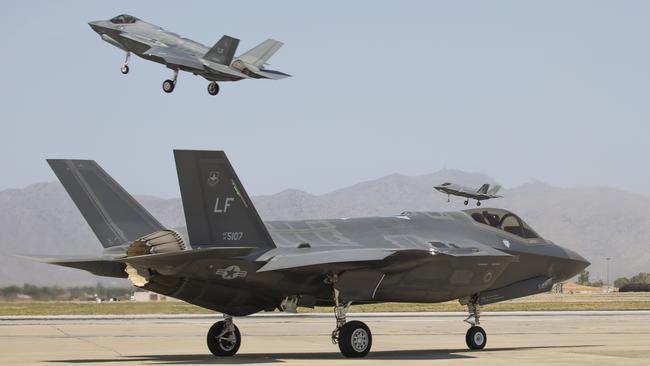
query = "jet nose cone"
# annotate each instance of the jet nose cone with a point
(96, 26)
(575, 263)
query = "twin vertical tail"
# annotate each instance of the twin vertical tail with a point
(218, 211)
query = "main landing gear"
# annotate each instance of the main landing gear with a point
(354, 338)
(466, 202)
(476, 338)
(224, 338)
(169, 85)
(213, 88)
(124, 69)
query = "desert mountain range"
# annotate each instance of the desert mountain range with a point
(597, 222)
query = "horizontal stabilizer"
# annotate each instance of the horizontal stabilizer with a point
(97, 266)
(186, 256)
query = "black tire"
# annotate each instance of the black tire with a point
(221, 347)
(476, 338)
(478, 203)
(213, 88)
(465, 203)
(355, 339)
(168, 86)
(124, 69)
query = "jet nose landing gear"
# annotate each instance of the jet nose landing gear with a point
(476, 338)
(224, 338)
(125, 66)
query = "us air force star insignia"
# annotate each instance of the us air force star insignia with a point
(506, 242)
(213, 178)
(231, 272)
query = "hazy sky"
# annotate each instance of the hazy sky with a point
(557, 91)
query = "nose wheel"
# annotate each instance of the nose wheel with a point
(169, 85)
(476, 338)
(224, 338)
(125, 66)
(213, 88)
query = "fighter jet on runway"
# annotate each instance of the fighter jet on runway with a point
(483, 193)
(229, 261)
(215, 64)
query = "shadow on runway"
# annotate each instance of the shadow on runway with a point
(252, 358)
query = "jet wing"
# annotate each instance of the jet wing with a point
(320, 257)
(172, 56)
(378, 256)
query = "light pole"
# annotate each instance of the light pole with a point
(608, 259)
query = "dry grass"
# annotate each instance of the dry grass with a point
(547, 302)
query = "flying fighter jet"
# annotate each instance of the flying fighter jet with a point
(483, 193)
(229, 261)
(215, 64)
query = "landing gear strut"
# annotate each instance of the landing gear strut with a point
(354, 338)
(476, 338)
(224, 338)
(169, 85)
(125, 66)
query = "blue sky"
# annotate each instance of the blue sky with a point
(555, 91)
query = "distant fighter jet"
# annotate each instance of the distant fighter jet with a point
(229, 260)
(215, 64)
(483, 193)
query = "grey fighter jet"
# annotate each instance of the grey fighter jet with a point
(483, 193)
(177, 53)
(229, 261)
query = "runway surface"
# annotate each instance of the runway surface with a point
(556, 338)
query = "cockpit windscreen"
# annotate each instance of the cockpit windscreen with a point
(503, 220)
(124, 19)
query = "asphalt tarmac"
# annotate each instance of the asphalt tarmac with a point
(519, 338)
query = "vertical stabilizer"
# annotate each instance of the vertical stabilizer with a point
(114, 216)
(494, 190)
(484, 188)
(260, 54)
(217, 209)
(223, 51)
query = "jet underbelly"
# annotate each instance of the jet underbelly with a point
(442, 278)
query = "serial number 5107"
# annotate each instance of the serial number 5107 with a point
(232, 235)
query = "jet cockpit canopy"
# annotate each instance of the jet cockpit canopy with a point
(124, 19)
(503, 220)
